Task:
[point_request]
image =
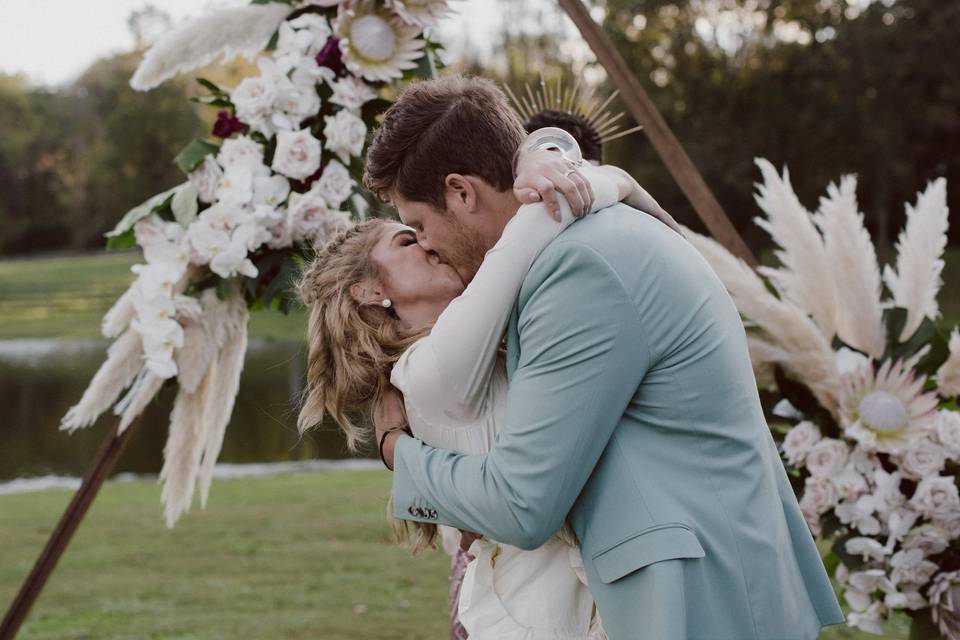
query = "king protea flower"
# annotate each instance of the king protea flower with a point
(885, 409)
(419, 13)
(376, 44)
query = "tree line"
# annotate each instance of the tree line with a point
(825, 87)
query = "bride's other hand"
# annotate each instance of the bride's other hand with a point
(542, 173)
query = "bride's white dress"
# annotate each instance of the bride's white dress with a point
(455, 391)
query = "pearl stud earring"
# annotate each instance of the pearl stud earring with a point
(387, 303)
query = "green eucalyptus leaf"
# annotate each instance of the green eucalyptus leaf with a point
(125, 240)
(194, 153)
(140, 211)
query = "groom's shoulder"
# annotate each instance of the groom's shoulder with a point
(624, 236)
(617, 242)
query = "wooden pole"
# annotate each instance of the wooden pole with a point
(643, 110)
(104, 462)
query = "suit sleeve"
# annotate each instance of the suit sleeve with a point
(446, 374)
(582, 358)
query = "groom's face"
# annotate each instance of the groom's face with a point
(451, 236)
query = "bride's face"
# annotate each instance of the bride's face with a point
(417, 283)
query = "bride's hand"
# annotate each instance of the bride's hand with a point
(541, 173)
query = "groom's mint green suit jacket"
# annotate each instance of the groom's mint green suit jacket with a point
(633, 410)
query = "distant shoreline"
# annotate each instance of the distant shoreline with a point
(220, 472)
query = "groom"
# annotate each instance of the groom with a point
(632, 408)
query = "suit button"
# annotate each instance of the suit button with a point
(433, 514)
(412, 511)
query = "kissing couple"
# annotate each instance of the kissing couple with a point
(613, 459)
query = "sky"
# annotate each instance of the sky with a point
(53, 41)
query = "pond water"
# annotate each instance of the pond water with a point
(41, 379)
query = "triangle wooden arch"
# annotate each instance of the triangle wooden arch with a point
(667, 146)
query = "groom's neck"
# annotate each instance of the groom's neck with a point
(503, 206)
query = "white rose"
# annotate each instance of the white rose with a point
(799, 440)
(909, 567)
(277, 224)
(242, 151)
(818, 498)
(849, 483)
(929, 538)
(827, 457)
(948, 431)
(205, 179)
(937, 497)
(922, 458)
(335, 184)
(254, 98)
(297, 155)
(312, 219)
(351, 93)
(345, 134)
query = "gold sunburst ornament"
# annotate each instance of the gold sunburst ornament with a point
(577, 101)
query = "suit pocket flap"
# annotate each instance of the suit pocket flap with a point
(663, 542)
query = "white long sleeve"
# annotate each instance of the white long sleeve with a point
(444, 376)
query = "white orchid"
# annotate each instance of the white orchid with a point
(351, 93)
(270, 191)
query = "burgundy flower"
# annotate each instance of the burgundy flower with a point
(329, 56)
(226, 125)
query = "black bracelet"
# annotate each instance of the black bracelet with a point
(383, 439)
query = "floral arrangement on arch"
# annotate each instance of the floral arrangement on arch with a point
(282, 177)
(868, 390)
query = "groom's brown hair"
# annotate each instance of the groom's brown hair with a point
(437, 127)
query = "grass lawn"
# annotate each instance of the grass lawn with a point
(284, 557)
(65, 297)
(291, 556)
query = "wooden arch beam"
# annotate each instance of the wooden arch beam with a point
(672, 153)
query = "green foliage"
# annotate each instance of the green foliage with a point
(194, 153)
(73, 159)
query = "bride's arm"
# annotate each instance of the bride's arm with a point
(447, 372)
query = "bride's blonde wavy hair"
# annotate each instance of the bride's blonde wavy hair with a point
(352, 349)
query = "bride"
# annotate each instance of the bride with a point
(388, 318)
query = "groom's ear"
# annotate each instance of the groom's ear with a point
(460, 193)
